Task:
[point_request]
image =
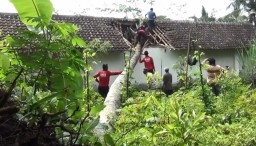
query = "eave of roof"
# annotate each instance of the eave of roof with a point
(215, 35)
(89, 28)
(208, 35)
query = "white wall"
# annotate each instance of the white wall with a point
(163, 58)
(166, 58)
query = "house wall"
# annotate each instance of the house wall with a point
(164, 58)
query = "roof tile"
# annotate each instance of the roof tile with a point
(209, 35)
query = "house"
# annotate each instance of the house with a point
(172, 39)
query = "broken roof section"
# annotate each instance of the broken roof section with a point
(209, 35)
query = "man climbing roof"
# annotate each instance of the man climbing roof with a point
(141, 35)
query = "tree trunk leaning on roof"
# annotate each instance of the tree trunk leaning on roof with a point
(113, 100)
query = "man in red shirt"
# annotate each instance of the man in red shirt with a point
(141, 35)
(148, 63)
(103, 80)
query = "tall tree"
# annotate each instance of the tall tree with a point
(204, 16)
(240, 7)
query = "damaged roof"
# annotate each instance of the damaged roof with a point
(209, 35)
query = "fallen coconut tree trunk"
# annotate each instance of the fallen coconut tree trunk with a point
(113, 101)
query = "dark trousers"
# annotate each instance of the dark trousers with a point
(141, 38)
(151, 71)
(145, 71)
(215, 88)
(151, 25)
(168, 92)
(103, 91)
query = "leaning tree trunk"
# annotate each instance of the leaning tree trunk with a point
(113, 100)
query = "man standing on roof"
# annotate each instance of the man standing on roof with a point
(151, 18)
(148, 63)
(103, 80)
(167, 82)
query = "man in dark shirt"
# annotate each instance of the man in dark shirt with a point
(167, 82)
(103, 80)
(148, 63)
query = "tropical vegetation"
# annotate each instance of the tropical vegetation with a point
(45, 86)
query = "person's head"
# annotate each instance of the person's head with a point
(166, 69)
(142, 27)
(146, 53)
(105, 67)
(151, 9)
(211, 61)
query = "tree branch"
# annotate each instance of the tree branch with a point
(7, 94)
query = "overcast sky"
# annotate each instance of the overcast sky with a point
(174, 9)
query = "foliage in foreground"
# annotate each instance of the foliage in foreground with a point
(52, 89)
(149, 118)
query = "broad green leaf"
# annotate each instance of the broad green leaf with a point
(47, 98)
(170, 126)
(147, 101)
(154, 140)
(109, 140)
(174, 115)
(78, 41)
(10, 77)
(60, 105)
(92, 125)
(157, 103)
(162, 132)
(201, 117)
(96, 110)
(4, 62)
(32, 9)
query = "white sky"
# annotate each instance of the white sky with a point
(174, 9)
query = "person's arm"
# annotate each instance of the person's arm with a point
(164, 80)
(115, 72)
(141, 60)
(96, 76)
(222, 69)
(205, 63)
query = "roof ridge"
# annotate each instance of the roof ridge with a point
(193, 22)
(72, 15)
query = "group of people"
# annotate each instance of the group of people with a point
(213, 70)
(103, 76)
(150, 68)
